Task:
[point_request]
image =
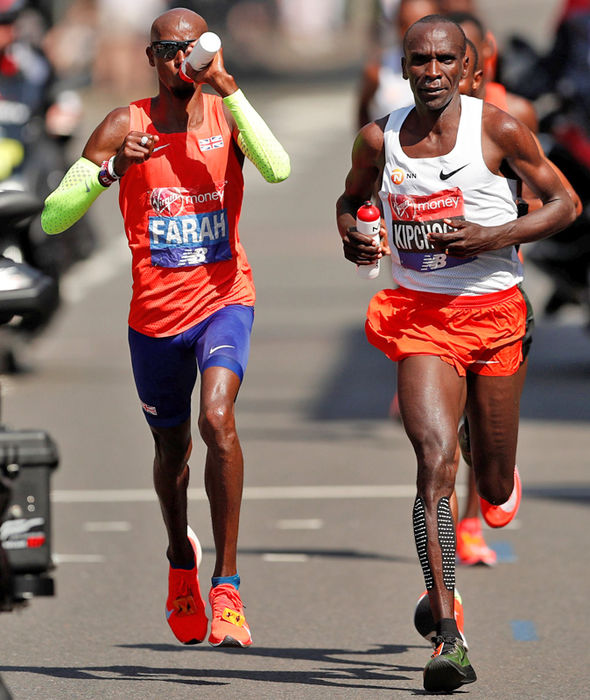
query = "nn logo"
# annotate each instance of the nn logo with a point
(398, 176)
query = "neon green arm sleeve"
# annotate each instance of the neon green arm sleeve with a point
(72, 198)
(256, 140)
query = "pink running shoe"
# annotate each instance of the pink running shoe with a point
(471, 546)
(500, 516)
(228, 622)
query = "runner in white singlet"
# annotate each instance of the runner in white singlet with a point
(457, 323)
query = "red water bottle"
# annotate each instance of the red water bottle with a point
(368, 221)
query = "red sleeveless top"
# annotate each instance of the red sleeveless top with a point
(496, 95)
(181, 209)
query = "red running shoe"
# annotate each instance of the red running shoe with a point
(185, 608)
(471, 546)
(499, 516)
(228, 622)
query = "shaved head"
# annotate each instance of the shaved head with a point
(451, 27)
(175, 21)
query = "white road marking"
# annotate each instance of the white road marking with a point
(252, 493)
(309, 524)
(113, 526)
(287, 558)
(78, 558)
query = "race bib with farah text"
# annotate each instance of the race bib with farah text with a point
(188, 227)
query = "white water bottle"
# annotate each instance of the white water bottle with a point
(208, 44)
(368, 221)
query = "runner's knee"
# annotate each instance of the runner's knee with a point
(436, 473)
(173, 447)
(217, 425)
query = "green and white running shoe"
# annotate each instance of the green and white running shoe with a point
(449, 667)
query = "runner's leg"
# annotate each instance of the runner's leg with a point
(431, 398)
(493, 405)
(224, 466)
(171, 476)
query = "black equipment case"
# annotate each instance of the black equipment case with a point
(27, 458)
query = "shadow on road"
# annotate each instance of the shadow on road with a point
(578, 494)
(329, 670)
(363, 384)
(320, 553)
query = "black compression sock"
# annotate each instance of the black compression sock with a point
(447, 627)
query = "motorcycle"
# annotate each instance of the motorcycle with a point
(28, 297)
(38, 117)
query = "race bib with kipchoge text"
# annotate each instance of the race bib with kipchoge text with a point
(413, 217)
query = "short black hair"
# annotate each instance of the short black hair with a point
(475, 52)
(464, 17)
(437, 19)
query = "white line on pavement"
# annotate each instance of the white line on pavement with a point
(113, 526)
(285, 557)
(253, 493)
(308, 524)
(78, 558)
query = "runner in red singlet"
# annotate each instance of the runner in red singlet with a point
(178, 157)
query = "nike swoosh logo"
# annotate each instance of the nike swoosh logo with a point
(446, 176)
(159, 148)
(168, 613)
(218, 347)
(510, 503)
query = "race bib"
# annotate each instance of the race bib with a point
(413, 217)
(188, 227)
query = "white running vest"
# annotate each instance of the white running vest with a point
(418, 193)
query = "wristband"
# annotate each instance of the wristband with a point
(111, 168)
(107, 174)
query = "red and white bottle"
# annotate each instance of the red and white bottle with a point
(207, 45)
(368, 221)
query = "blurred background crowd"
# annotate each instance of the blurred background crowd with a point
(102, 41)
(58, 57)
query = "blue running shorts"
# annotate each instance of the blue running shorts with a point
(165, 370)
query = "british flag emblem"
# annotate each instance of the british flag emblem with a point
(211, 142)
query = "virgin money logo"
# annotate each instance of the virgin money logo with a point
(402, 207)
(416, 207)
(167, 201)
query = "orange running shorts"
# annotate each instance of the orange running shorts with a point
(483, 334)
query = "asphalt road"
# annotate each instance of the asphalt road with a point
(328, 564)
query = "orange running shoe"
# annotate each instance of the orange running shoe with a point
(185, 607)
(499, 516)
(424, 621)
(471, 546)
(228, 622)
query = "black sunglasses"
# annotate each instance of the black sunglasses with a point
(168, 49)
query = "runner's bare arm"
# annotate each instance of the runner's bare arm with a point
(367, 166)
(113, 138)
(506, 138)
(535, 203)
(108, 154)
